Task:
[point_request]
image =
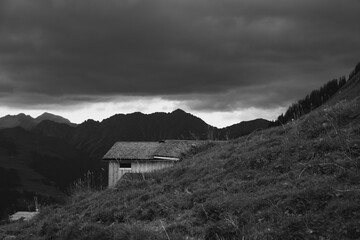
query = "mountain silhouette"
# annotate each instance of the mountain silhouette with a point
(27, 122)
(20, 120)
(53, 117)
(96, 137)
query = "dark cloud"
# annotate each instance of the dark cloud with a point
(266, 96)
(231, 53)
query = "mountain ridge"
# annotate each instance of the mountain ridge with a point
(27, 122)
(138, 126)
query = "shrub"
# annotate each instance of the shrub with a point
(177, 231)
(109, 215)
(148, 211)
(310, 199)
(131, 195)
(49, 230)
(220, 230)
(208, 212)
(177, 228)
(50, 225)
(124, 232)
(76, 231)
(293, 229)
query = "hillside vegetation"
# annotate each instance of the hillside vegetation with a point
(329, 94)
(45, 160)
(312, 101)
(297, 181)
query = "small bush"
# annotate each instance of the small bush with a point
(50, 225)
(293, 229)
(49, 230)
(175, 230)
(310, 199)
(148, 211)
(76, 231)
(200, 196)
(349, 177)
(220, 230)
(131, 195)
(109, 215)
(124, 232)
(351, 230)
(178, 172)
(208, 212)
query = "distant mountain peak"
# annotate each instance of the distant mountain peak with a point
(22, 115)
(22, 120)
(52, 117)
(178, 111)
(46, 114)
(27, 122)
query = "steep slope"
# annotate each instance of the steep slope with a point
(297, 181)
(40, 150)
(329, 94)
(350, 90)
(35, 165)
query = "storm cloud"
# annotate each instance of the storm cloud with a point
(211, 54)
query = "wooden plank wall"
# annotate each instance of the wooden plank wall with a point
(140, 167)
(115, 172)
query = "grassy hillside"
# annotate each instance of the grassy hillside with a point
(297, 181)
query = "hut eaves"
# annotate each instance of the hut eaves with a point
(165, 150)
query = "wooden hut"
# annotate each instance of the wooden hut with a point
(141, 157)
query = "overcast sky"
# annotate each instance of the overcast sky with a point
(222, 60)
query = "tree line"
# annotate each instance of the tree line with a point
(355, 71)
(315, 99)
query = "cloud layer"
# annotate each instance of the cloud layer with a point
(212, 55)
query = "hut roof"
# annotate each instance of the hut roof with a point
(149, 150)
(174, 148)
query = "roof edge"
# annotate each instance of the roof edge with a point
(149, 159)
(167, 158)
